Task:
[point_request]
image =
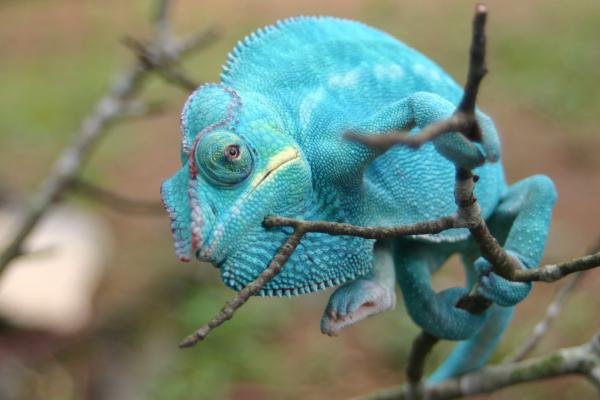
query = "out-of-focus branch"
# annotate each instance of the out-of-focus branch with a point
(542, 327)
(162, 22)
(194, 41)
(153, 59)
(115, 201)
(581, 360)
(108, 110)
(554, 308)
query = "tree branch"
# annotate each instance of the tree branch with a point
(107, 110)
(337, 229)
(581, 360)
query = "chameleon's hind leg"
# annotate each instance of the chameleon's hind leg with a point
(366, 296)
(471, 354)
(521, 221)
(436, 313)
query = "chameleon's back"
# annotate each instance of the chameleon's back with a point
(324, 76)
(331, 65)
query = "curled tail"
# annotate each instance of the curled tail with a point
(473, 353)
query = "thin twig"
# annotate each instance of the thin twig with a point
(581, 360)
(383, 141)
(116, 201)
(337, 229)
(554, 272)
(249, 290)
(468, 210)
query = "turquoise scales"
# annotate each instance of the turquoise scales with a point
(268, 141)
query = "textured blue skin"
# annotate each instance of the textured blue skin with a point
(288, 94)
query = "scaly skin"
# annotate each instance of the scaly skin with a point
(268, 141)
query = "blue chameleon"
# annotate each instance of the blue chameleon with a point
(268, 140)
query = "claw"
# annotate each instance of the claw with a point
(354, 302)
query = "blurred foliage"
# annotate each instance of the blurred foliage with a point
(59, 56)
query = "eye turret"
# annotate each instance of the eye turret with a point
(223, 158)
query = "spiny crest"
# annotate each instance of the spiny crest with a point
(255, 38)
(212, 106)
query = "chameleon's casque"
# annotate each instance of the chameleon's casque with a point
(268, 140)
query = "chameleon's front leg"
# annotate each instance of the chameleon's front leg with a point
(421, 109)
(366, 296)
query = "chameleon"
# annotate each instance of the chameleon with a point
(268, 139)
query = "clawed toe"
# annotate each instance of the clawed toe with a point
(354, 302)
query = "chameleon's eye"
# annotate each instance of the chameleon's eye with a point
(223, 158)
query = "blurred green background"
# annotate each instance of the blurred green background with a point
(57, 57)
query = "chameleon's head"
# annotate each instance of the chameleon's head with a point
(235, 171)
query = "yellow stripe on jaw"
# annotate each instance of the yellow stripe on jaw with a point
(284, 156)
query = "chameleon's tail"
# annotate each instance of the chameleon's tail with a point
(473, 353)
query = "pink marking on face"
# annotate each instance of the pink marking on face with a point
(233, 108)
(196, 212)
